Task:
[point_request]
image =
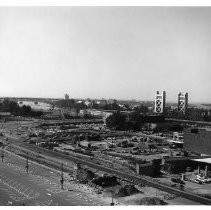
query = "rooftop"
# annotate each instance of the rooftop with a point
(205, 160)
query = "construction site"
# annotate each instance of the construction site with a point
(157, 169)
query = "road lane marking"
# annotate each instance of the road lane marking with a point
(18, 185)
(25, 190)
(30, 193)
(14, 184)
(11, 180)
(21, 188)
(26, 193)
(50, 202)
(6, 180)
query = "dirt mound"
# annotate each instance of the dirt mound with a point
(150, 201)
(105, 181)
(126, 191)
(84, 175)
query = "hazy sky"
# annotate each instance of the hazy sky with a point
(110, 52)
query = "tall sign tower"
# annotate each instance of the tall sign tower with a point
(160, 102)
(182, 102)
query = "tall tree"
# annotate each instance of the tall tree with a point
(116, 121)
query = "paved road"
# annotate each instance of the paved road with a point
(18, 188)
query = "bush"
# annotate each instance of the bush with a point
(106, 181)
(120, 192)
(150, 201)
(126, 190)
(84, 175)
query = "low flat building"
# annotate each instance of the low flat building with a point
(94, 144)
(5, 114)
(206, 161)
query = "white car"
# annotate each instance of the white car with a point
(198, 181)
(204, 180)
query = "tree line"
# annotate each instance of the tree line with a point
(133, 121)
(71, 103)
(16, 110)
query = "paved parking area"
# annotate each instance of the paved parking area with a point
(41, 186)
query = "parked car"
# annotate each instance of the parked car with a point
(196, 181)
(204, 180)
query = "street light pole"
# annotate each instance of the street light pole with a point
(112, 199)
(62, 178)
(2, 155)
(27, 162)
(112, 194)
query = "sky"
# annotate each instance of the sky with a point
(105, 52)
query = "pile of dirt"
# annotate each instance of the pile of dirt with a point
(126, 190)
(149, 201)
(105, 181)
(84, 175)
(120, 192)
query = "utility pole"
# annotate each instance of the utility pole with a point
(112, 198)
(62, 178)
(2, 155)
(27, 162)
(112, 194)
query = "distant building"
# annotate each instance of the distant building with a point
(102, 103)
(79, 102)
(88, 102)
(182, 102)
(160, 101)
(66, 97)
(198, 140)
(73, 112)
(83, 112)
(94, 144)
(112, 101)
(5, 114)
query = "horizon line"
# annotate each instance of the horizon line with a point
(136, 100)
